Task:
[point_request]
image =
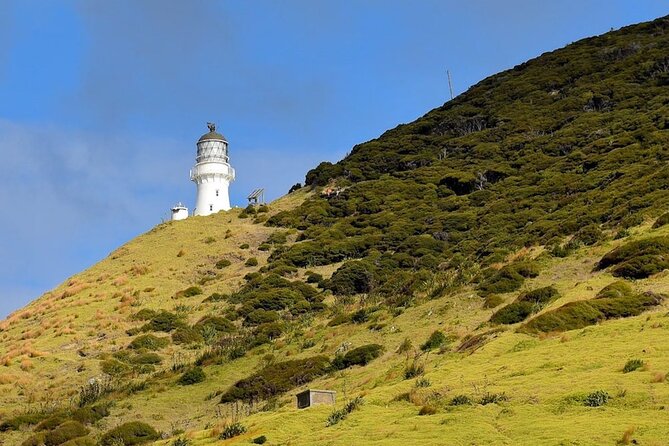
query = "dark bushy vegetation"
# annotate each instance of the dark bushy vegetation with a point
(638, 259)
(661, 221)
(164, 321)
(129, 434)
(570, 144)
(507, 279)
(597, 398)
(65, 432)
(190, 292)
(223, 263)
(358, 356)
(277, 378)
(525, 305)
(613, 301)
(436, 340)
(192, 376)
(149, 342)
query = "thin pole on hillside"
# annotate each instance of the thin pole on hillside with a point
(450, 83)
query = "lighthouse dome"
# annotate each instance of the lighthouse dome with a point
(213, 135)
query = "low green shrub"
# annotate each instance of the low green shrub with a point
(646, 248)
(260, 316)
(129, 434)
(513, 313)
(619, 288)
(579, 314)
(223, 263)
(314, 277)
(596, 398)
(164, 321)
(149, 342)
(189, 292)
(19, 421)
(80, 441)
(507, 279)
(51, 423)
(65, 432)
(146, 358)
(232, 430)
(339, 319)
(588, 235)
(427, 410)
(361, 316)
(493, 301)
(277, 378)
(259, 440)
(632, 365)
(661, 221)
(144, 314)
(642, 266)
(113, 367)
(362, 356)
(186, 335)
(540, 296)
(218, 323)
(436, 340)
(91, 414)
(251, 261)
(192, 376)
(352, 277)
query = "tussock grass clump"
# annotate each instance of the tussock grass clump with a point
(461, 400)
(492, 398)
(339, 415)
(596, 398)
(276, 379)
(232, 430)
(132, 433)
(632, 365)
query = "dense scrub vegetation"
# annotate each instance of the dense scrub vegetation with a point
(638, 259)
(567, 144)
(614, 301)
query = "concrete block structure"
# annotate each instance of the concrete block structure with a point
(313, 397)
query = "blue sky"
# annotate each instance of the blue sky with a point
(101, 101)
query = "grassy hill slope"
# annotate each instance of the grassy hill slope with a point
(493, 273)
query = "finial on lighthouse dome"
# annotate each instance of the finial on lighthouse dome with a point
(213, 134)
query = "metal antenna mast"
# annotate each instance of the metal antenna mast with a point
(450, 83)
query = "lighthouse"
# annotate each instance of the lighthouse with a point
(212, 173)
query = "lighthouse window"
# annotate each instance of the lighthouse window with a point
(217, 193)
(211, 207)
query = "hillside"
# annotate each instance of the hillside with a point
(493, 273)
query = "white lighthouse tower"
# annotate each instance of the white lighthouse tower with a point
(212, 173)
